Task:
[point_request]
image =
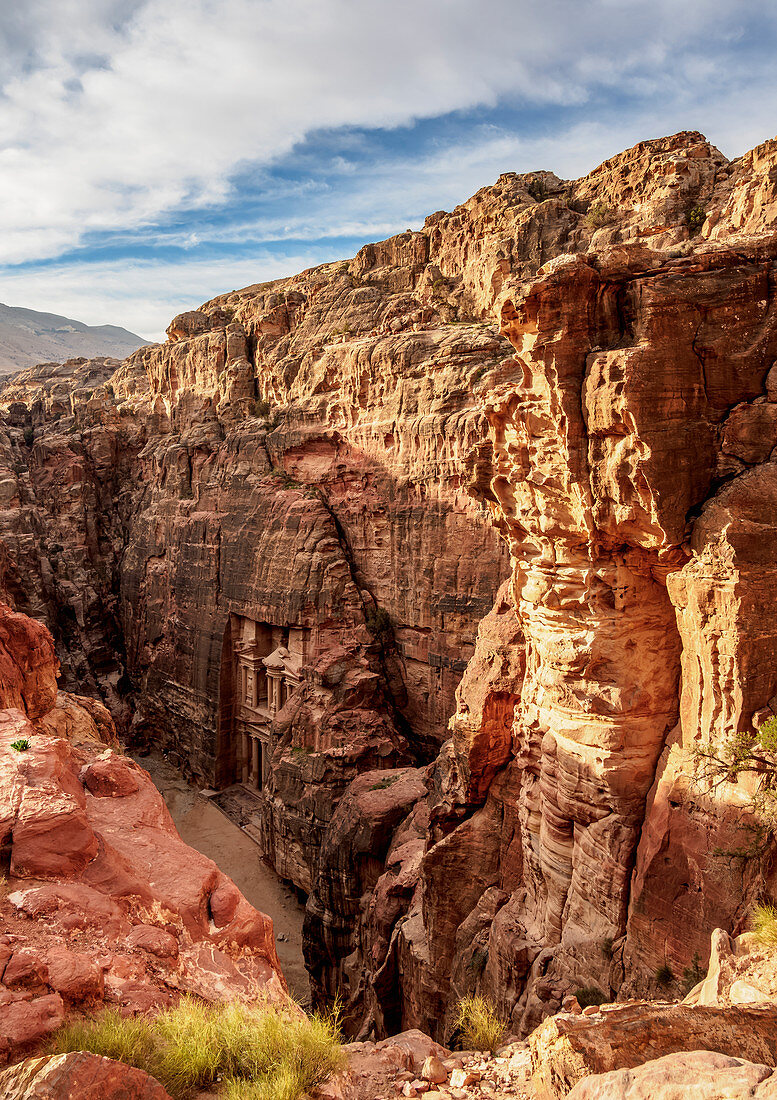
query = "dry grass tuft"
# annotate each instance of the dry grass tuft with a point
(764, 921)
(479, 1023)
(266, 1052)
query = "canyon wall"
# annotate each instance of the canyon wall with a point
(510, 471)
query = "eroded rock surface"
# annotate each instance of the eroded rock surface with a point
(81, 1075)
(278, 543)
(101, 902)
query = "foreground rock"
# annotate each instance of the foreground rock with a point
(568, 1047)
(698, 1075)
(78, 1076)
(413, 1065)
(101, 901)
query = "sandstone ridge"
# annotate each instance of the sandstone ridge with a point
(510, 472)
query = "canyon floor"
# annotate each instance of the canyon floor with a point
(206, 829)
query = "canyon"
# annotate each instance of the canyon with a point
(443, 561)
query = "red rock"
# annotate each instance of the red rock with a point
(567, 1048)
(110, 776)
(25, 1022)
(74, 975)
(93, 824)
(154, 940)
(27, 970)
(28, 664)
(78, 1076)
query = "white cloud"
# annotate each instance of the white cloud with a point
(114, 112)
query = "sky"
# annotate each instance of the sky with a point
(154, 153)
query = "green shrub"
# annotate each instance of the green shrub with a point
(480, 1025)
(29, 436)
(287, 482)
(378, 622)
(262, 409)
(111, 1035)
(22, 745)
(537, 189)
(269, 1052)
(478, 960)
(695, 217)
(382, 784)
(764, 921)
(664, 975)
(606, 947)
(693, 974)
(590, 995)
(599, 214)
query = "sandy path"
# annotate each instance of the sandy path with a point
(205, 828)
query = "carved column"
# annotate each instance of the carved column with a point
(256, 778)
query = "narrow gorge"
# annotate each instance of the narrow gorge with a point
(440, 563)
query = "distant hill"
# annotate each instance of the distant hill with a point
(28, 337)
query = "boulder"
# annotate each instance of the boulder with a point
(78, 1076)
(695, 1075)
(567, 1048)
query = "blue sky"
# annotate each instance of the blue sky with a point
(154, 153)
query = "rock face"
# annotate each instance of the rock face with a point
(513, 471)
(699, 1075)
(566, 1049)
(81, 1075)
(101, 902)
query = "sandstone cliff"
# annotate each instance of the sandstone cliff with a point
(100, 900)
(316, 488)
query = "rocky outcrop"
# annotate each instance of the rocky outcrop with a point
(86, 1076)
(101, 902)
(567, 1048)
(628, 469)
(310, 480)
(699, 1075)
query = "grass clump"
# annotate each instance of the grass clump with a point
(480, 1025)
(110, 1035)
(22, 745)
(590, 995)
(764, 922)
(267, 1052)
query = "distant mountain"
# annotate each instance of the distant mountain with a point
(28, 337)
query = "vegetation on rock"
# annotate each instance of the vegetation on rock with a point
(590, 995)
(599, 214)
(764, 921)
(267, 1052)
(480, 1025)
